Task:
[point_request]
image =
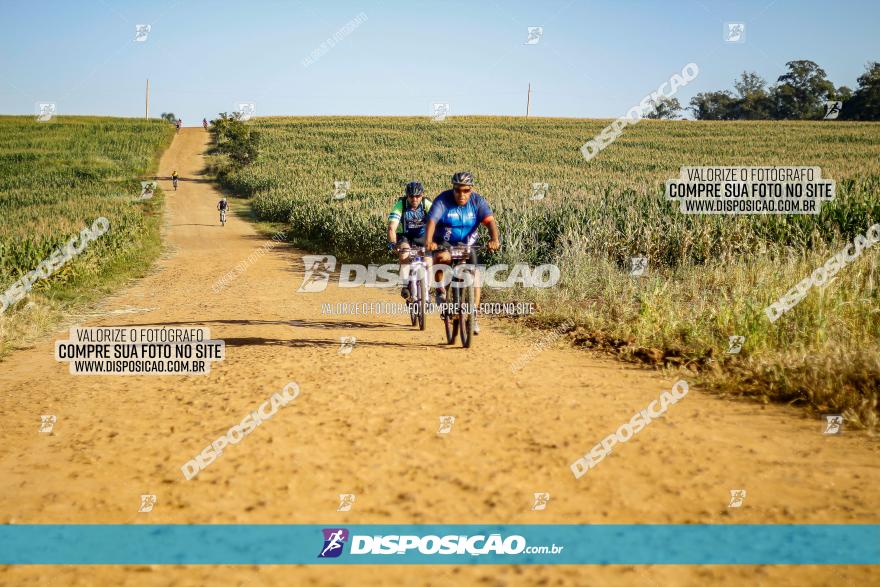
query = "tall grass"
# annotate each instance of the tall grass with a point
(709, 276)
(56, 177)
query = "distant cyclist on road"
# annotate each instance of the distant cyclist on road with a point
(406, 224)
(205, 123)
(455, 218)
(174, 178)
(179, 123)
(223, 206)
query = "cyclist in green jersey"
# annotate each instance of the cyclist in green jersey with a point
(406, 227)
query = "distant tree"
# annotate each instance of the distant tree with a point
(714, 106)
(169, 116)
(754, 101)
(842, 93)
(749, 83)
(664, 107)
(864, 104)
(801, 92)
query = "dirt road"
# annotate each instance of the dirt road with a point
(367, 423)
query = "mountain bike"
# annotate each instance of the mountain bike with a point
(459, 314)
(418, 286)
(174, 183)
(223, 217)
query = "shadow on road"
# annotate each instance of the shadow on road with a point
(216, 225)
(168, 178)
(325, 324)
(308, 342)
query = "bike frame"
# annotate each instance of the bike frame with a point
(417, 284)
(463, 314)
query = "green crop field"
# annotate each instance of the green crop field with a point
(56, 178)
(709, 277)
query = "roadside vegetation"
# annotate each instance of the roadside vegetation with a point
(56, 178)
(708, 277)
(235, 145)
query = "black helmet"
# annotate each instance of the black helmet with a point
(463, 178)
(415, 188)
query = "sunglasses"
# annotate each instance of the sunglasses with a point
(462, 190)
(416, 196)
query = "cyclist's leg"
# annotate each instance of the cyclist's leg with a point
(403, 249)
(420, 242)
(441, 257)
(403, 256)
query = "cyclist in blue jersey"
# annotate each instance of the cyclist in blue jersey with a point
(406, 224)
(455, 218)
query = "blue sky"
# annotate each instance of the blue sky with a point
(595, 59)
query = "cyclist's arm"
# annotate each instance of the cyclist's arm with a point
(487, 218)
(494, 235)
(394, 218)
(392, 231)
(438, 209)
(429, 234)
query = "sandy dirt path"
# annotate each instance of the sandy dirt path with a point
(363, 424)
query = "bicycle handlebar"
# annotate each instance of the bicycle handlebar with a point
(460, 251)
(417, 250)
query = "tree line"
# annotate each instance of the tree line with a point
(800, 93)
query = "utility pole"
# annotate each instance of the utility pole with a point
(147, 112)
(529, 101)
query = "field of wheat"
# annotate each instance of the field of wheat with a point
(709, 277)
(56, 178)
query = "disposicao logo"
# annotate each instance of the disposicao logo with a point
(334, 540)
(432, 544)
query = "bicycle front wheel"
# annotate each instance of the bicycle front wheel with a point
(413, 305)
(423, 298)
(467, 312)
(450, 319)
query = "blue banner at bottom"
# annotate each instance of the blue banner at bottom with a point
(524, 544)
